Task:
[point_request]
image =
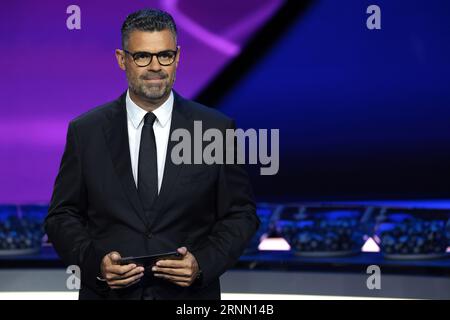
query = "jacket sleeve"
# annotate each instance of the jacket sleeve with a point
(66, 222)
(235, 224)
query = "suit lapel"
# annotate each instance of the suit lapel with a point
(116, 134)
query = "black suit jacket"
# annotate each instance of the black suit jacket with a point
(95, 207)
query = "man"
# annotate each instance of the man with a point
(118, 193)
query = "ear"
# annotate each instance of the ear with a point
(120, 56)
(177, 60)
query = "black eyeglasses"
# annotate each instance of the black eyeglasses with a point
(143, 59)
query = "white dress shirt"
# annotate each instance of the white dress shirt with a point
(161, 128)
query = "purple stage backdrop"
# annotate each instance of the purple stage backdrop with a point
(51, 74)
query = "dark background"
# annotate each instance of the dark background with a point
(363, 114)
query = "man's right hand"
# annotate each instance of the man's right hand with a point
(117, 276)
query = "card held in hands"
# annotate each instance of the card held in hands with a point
(150, 260)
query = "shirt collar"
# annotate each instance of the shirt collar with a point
(137, 114)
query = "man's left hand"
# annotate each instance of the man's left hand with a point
(181, 272)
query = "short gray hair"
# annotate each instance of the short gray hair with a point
(147, 20)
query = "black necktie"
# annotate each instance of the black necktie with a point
(148, 166)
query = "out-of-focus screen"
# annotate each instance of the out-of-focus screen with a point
(51, 74)
(361, 114)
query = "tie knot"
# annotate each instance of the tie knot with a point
(149, 118)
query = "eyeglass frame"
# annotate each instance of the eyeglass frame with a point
(132, 54)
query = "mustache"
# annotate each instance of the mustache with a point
(154, 76)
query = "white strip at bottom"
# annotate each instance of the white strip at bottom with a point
(64, 295)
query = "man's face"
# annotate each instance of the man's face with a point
(153, 82)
